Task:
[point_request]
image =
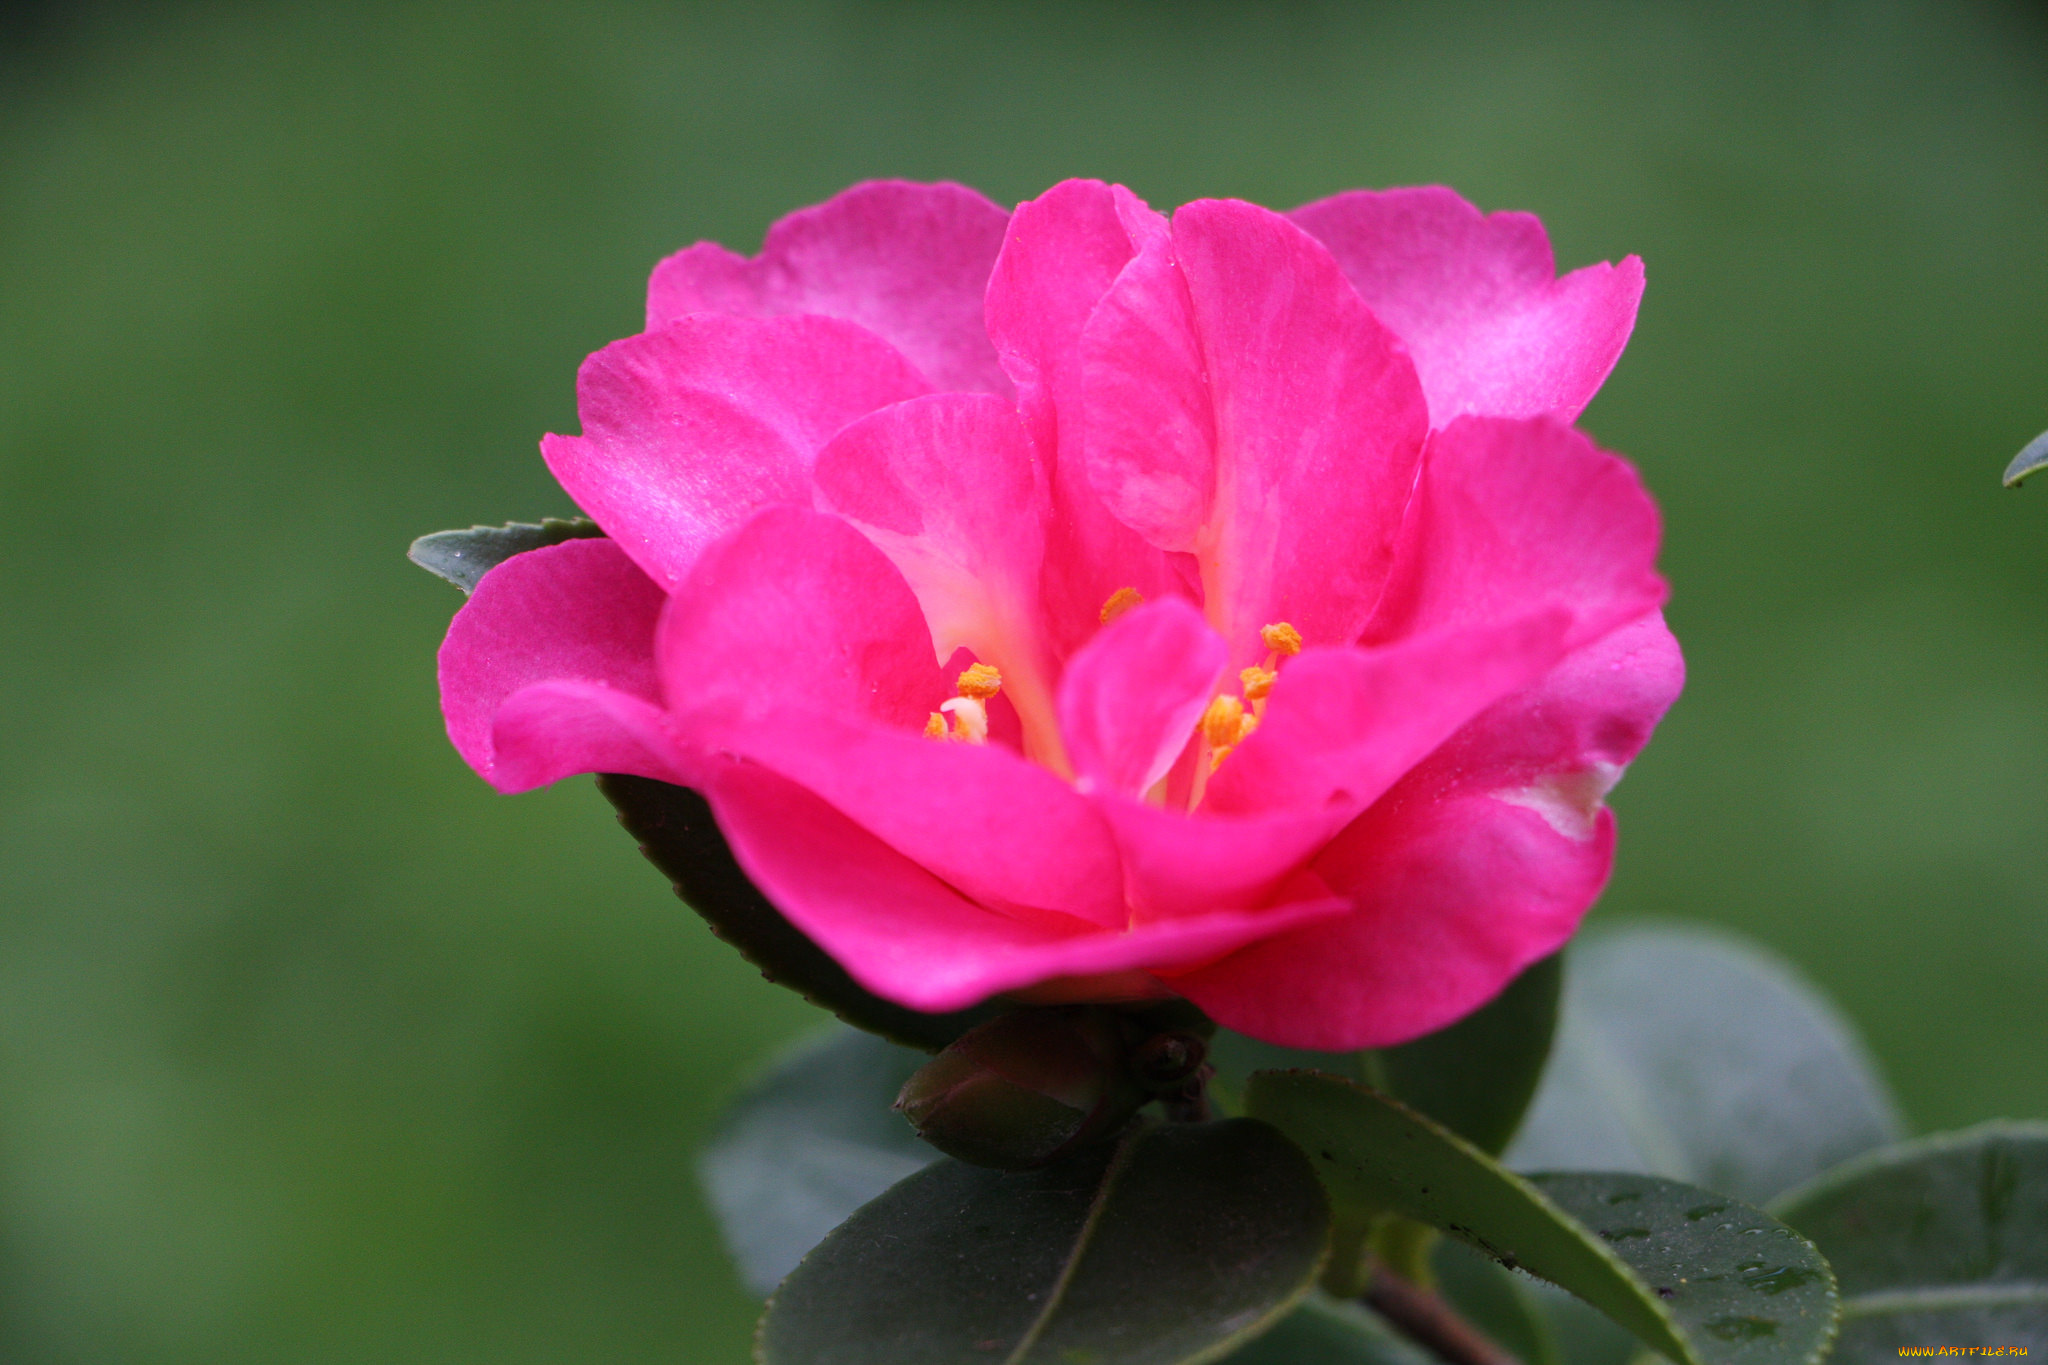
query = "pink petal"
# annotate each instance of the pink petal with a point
(798, 644)
(1175, 864)
(1475, 298)
(908, 262)
(1516, 516)
(1131, 697)
(1343, 725)
(797, 611)
(908, 936)
(949, 487)
(1064, 250)
(1450, 900)
(548, 669)
(1151, 420)
(1318, 423)
(1559, 745)
(1479, 862)
(552, 730)
(997, 827)
(692, 429)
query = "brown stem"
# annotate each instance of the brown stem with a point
(1424, 1317)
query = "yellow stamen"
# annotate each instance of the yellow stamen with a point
(980, 681)
(1281, 638)
(1223, 722)
(1120, 601)
(970, 719)
(1258, 682)
(935, 727)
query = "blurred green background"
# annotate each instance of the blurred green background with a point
(312, 1049)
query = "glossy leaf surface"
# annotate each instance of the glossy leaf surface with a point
(679, 836)
(809, 1142)
(1174, 1245)
(464, 557)
(1699, 1277)
(1692, 1055)
(1476, 1077)
(1939, 1242)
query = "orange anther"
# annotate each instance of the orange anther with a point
(1223, 722)
(1281, 638)
(980, 682)
(1120, 601)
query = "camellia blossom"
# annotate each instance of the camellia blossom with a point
(1077, 603)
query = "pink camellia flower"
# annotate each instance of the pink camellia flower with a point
(1079, 603)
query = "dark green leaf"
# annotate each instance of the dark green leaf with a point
(1475, 1077)
(677, 833)
(464, 557)
(808, 1143)
(2027, 461)
(1478, 1076)
(1324, 1331)
(1692, 1055)
(1938, 1242)
(1171, 1246)
(1700, 1277)
(1740, 1285)
(1497, 1301)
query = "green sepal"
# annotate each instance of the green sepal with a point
(464, 557)
(1175, 1245)
(1700, 1277)
(1938, 1242)
(676, 831)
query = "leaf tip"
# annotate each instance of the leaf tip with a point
(2030, 459)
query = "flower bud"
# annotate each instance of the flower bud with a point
(1165, 1063)
(1024, 1089)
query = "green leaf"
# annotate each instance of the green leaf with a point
(1699, 1277)
(1740, 1285)
(1497, 1301)
(2027, 461)
(1475, 1077)
(677, 833)
(464, 557)
(1478, 1076)
(1938, 1242)
(809, 1142)
(1692, 1055)
(1174, 1245)
(1324, 1331)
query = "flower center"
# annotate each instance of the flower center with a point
(969, 709)
(1229, 720)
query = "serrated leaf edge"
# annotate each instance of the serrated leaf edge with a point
(556, 529)
(1606, 1253)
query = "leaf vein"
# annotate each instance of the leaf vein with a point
(1115, 1170)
